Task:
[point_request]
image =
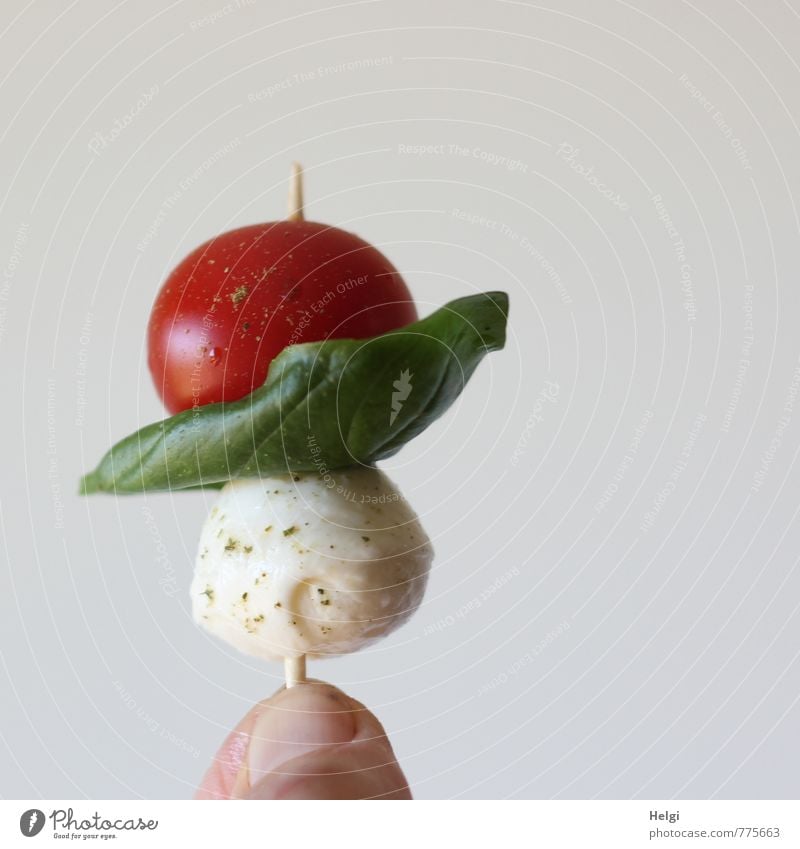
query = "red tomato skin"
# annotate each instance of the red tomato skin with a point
(235, 302)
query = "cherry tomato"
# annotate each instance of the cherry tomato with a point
(235, 302)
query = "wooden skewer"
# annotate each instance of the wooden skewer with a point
(295, 667)
(295, 207)
(295, 670)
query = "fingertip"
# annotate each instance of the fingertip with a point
(308, 741)
(308, 717)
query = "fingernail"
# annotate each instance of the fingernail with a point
(302, 719)
(364, 770)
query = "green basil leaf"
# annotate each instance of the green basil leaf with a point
(324, 406)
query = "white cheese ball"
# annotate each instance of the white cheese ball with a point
(303, 564)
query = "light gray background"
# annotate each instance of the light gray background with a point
(566, 648)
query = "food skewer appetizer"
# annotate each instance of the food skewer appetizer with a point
(291, 359)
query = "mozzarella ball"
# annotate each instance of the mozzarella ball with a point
(305, 564)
